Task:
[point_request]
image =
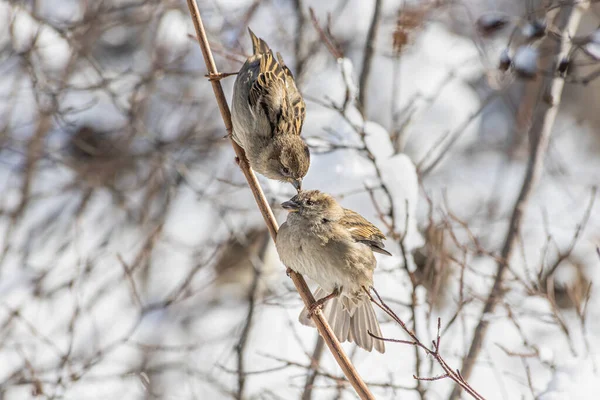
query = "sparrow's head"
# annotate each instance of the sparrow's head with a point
(289, 160)
(315, 206)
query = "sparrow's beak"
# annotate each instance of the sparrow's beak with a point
(297, 184)
(291, 206)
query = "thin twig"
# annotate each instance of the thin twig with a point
(323, 327)
(433, 352)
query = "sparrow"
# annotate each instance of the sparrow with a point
(334, 247)
(267, 115)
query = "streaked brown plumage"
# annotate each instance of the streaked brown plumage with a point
(334, 247)
(267, 114)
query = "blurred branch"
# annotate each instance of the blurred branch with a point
(298, 40)
(326, 37)
(313, 371)
(252, 293)
(368, 59)
(562, 256)
(566, 21)
(307, 297)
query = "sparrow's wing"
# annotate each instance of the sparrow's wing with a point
(363, 231)
(268, 91)
(296, 100)
(259, 46)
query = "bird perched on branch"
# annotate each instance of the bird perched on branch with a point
(267, 116)
(334, 247)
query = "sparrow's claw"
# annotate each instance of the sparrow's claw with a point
(288, 271)
(319, 303)
(217, 77)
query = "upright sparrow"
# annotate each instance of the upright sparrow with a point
(267, 115)
(334, 247)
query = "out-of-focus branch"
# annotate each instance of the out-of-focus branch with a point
(566, 21)
(313, 371)
(330, 339)
(563, 255)
(298, 40)
(368, 59)
(252, 293)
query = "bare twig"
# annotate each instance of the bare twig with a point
(434, 351)
(566, 21)
(330, 339)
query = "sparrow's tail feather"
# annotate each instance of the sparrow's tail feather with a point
(353, 328)
(259, 46)
(363, 322)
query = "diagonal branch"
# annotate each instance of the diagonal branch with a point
(330, 339)
(566, 20)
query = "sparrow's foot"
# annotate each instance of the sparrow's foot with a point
(219, 76)
(319, 303)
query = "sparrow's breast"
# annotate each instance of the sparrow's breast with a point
(329, 264)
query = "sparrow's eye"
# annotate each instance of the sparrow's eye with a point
(285, 171)
(309, 202)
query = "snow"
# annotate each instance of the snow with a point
(525, 61)
(573, 379)
(347, 70)
(24, 30)
(173, 32)
(53, 50)
(593, 46)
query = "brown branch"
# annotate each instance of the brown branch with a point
(323, 327)
(566, 21)
(368, 59)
